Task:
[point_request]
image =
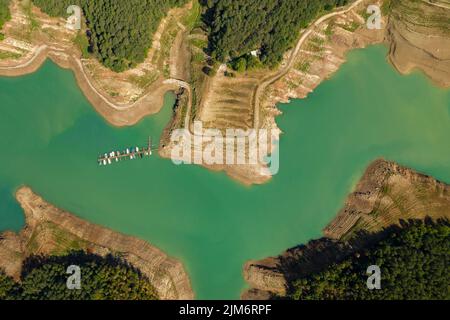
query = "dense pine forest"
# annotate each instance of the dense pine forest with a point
(109, 278)
(120, 32)
(414, 263)
(271, 26)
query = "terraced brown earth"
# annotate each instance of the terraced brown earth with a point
(386, 194)
(228, 103)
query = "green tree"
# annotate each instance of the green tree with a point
(414, 263)
(5, 15)
(102, 278)
(240, 65)
(7, 287)
(238, 27)
(120, 32)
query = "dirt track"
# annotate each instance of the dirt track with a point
(67, 56)
(274, 77)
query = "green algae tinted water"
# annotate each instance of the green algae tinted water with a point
(50, 138)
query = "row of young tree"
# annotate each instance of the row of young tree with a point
(102, 278)
(271, 26)
(414, 263)
(120, 32)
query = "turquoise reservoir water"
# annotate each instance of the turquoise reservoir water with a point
(50, 138)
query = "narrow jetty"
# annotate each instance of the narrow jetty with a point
(130, 153)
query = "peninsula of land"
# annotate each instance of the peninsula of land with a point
(386, 195)
(245, 100)
(52, 231)
(176, 60)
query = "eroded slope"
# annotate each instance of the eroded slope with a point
(51, 231)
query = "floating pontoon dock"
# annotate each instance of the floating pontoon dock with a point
(130, 153)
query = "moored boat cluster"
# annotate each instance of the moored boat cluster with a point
(130, 153)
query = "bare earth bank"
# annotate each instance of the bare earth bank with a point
(50, 230)
(386, 194)
(416, 33)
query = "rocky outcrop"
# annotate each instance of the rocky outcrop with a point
(386, 194)
(50, 230)
(418, 34)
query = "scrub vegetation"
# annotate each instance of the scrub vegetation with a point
(102, 278)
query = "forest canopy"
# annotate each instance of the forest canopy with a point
(271, 26)
(102, 278)
(414, 263)
(120, 32)
(5, 15)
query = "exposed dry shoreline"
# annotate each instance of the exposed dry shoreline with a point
(291, 83)
(419, 39)
(66, 55)
(114, 114)
(386, 194)
(221, 110)
(409, 50)
(413, 45)
(50, 230)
